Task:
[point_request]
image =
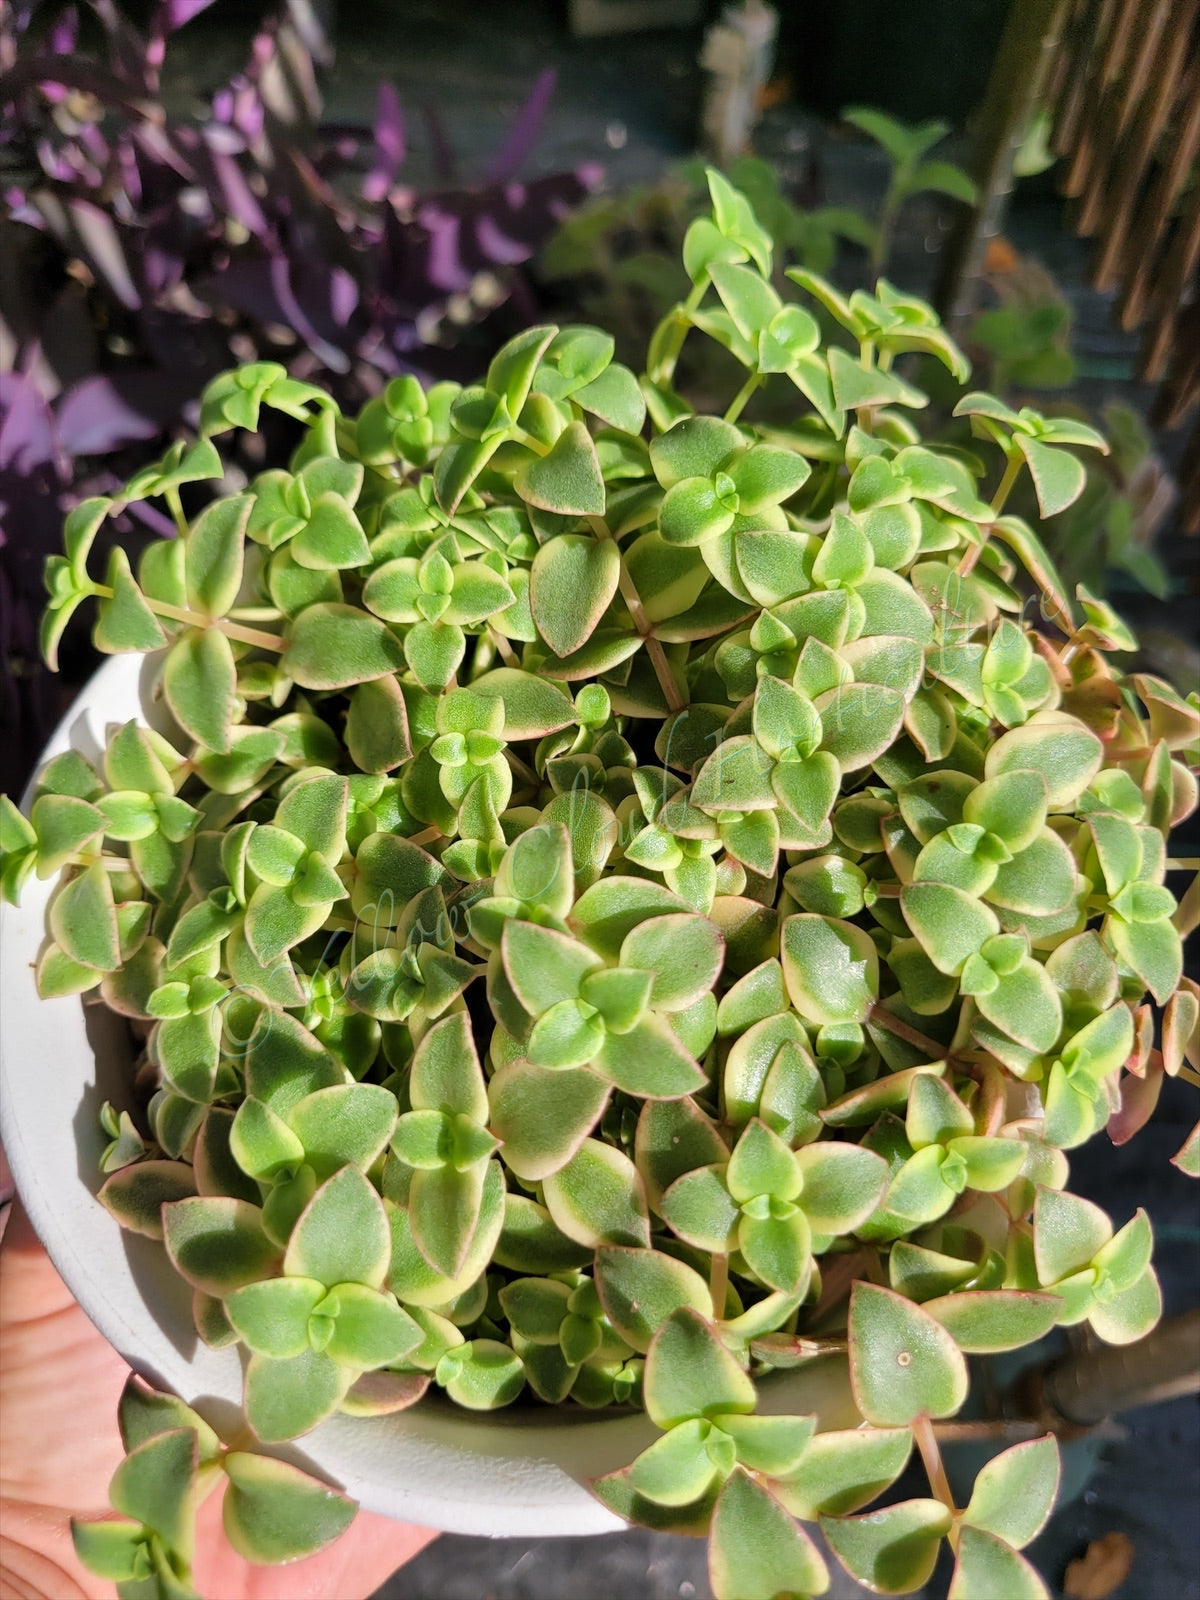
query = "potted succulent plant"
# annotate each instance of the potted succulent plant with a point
(615, 914)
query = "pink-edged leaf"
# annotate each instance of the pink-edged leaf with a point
(1139, 1096)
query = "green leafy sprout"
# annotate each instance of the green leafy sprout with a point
(632, 900)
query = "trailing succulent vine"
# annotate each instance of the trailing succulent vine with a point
(634, 900)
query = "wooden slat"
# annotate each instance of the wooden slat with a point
(1100, 93)
(1124, 92)
(1189, 483)
(1170, 281)
(1145, 133)
(1093, 29)
(1154, 213)
(1121, 102)
(1062, 67)
(1180, 392)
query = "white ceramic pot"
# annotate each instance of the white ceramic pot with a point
(519, 1472)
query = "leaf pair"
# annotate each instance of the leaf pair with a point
(780, 767)
(272, 1511)
(290, 1151)
(894, 1550)
(233, 399)
(413, 971)
(949, 1156)
(588, 1014)
(711, 478)
(1058, 476)
(314, 1329)
(962, 938)
(1101, 1276)
(770, 1203)
(564, 1339)
(445, 1139)
(293, 858)
(1138, 927)
(58, 828)
(702, 1400)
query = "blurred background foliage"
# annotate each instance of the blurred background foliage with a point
(189, 183)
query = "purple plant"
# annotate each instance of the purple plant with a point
(146, 251)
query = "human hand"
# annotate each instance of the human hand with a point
(60, 1381)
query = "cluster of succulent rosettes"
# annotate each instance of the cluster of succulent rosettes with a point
(620, 879)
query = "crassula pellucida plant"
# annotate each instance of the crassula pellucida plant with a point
(632, 901)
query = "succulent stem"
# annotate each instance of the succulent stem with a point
(738, 404)
(932, 1457)
(195, 619)
(1003, 489)
(718, 1283)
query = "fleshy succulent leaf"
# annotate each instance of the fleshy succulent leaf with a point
(273, 1512)
(902, 1362)
(689, 1373)
(756, 1550)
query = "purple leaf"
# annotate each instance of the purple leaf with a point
(126, 155)
(160, 267)
(94, 142)
(497, 246)
(168, 148)
(390, 147)
(22, 15)
(61, 41)
(131, 60)
(20, 209)
(27, 436)
(343, 296)
(174, 13)
(64, 32)
(222, 136)
(306, 19)
(58, 164)
(444, 266)
(236, 193)
(273, 290)
(296, 317)
(522, 136)
(102, 249)
(94, 417)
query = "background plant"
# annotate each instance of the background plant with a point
(634, 900)
(617, 261)
(618, 255)
(150, 248)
